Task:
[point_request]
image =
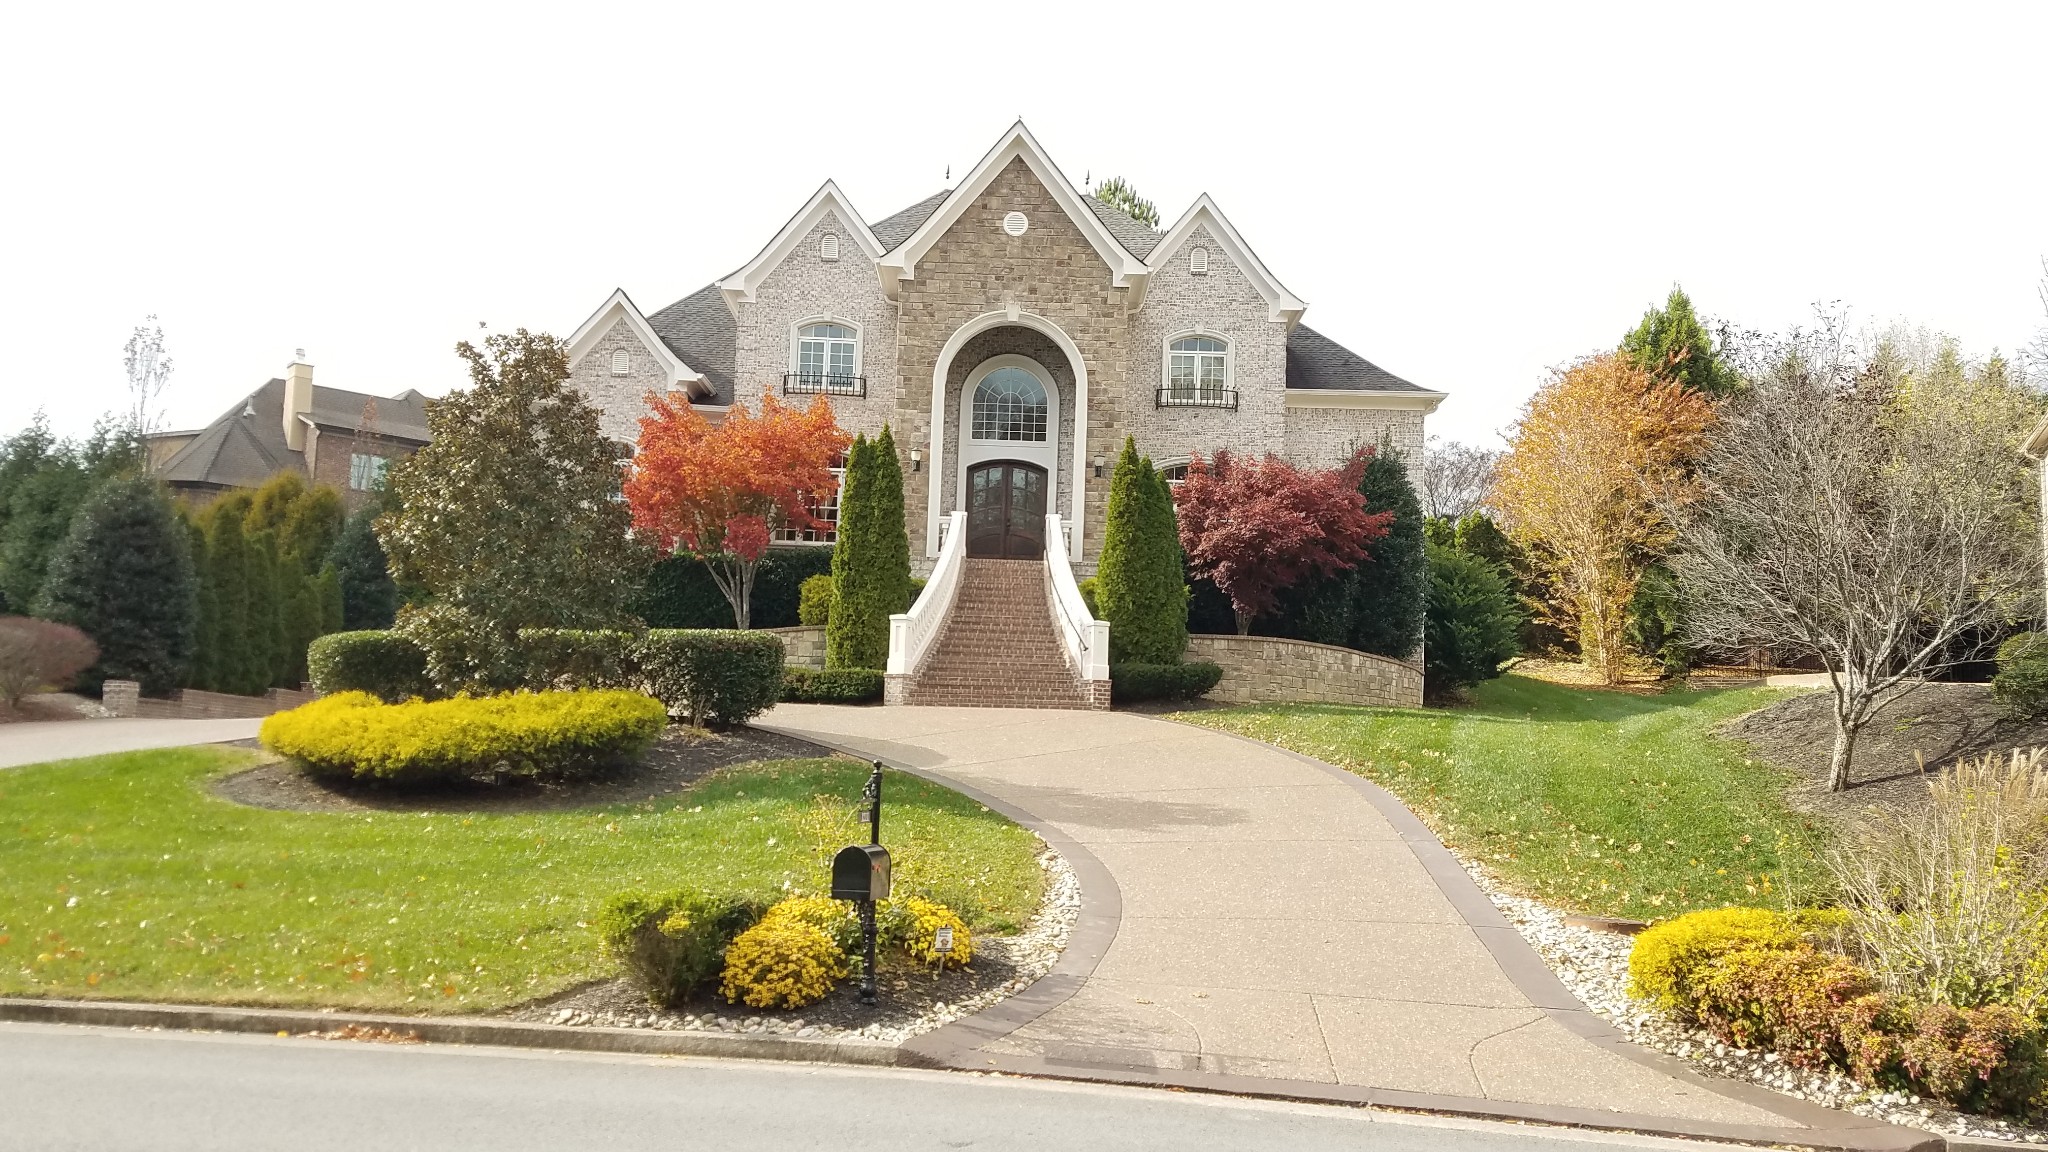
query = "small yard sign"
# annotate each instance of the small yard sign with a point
(942, 940)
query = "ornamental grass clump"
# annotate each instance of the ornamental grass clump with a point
(782, 962)
(672, 944)
(537, 734)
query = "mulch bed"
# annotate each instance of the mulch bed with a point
(680, 758)
(1937, 725)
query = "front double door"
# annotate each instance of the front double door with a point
(1006, 510)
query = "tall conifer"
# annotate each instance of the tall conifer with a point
(1139, 587)
(123, 576)
(231, 665)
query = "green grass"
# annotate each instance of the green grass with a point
(1592, 801)
(122, 877)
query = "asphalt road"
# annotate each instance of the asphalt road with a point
(109, 1089)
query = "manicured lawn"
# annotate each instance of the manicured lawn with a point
(1592, 801)
(121, 876)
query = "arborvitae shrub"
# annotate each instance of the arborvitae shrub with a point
(1139, 586)
(871, 558)
(1474, 622)
(814, 602)
(123, 576)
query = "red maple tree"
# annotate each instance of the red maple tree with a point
(1257, 527)
(717, 492)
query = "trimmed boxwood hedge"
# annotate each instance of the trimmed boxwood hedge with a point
(541, 734)
(680, 593)
(575, 658)
(833, 686)
(384, 664)
(1130, 683)
(713, 676)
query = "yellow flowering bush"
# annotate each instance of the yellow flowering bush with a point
(835, 918)
(923, 919)
(520, 734)
(782, 962)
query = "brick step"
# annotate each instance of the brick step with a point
(999, 648)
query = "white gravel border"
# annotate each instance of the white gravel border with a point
(1033, 952)
(1594, 965)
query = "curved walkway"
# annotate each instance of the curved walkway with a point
(1257, 921)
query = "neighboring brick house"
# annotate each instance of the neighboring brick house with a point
(330, 436)
(1013, 331)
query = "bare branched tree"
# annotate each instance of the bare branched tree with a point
(1455, 477)
(1876, 520)
(149, 373)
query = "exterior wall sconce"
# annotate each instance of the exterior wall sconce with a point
(1098, 467)
(917, 459)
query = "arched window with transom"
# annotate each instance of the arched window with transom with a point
(1197, 374)
(1010, 404)
(827, 360)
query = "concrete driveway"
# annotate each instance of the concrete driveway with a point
(1258, 921)
(35, 741)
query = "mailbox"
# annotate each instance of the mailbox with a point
(861, 872)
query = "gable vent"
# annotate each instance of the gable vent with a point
(1198, 261)
(828, 246)
(1015, 223)
(622, 362)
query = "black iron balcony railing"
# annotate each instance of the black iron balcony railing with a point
(824, 383)
(1196, 397)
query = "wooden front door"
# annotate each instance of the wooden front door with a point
(1006, 510)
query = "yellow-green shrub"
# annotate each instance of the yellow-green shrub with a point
(1669, 957)
(924, 919)
(522, 734)
(782, 962)
(673, 943)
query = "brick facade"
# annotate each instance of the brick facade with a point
(620, 399)
(1271, 670)
(1325, 437)
(330, 455)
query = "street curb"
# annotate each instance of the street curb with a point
(456, 1030)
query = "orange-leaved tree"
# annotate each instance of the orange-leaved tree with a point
(717, 492)
(1600, 452)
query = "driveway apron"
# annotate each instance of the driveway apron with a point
(1258, 921)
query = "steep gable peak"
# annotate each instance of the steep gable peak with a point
(739, 287)
(1283, 306)
(619, 307)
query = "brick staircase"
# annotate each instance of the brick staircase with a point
(1000, 648)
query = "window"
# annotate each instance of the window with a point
(828, 246)
(1198, 372)
(1198, 261)
(1174, 473)
(826, 510)
(825, 355)
(622, 362)
(1009, 404)
(366, 472)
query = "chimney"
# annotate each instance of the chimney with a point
(298, 400)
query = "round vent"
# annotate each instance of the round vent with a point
(1015, 223)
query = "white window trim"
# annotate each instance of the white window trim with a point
(795, 536)
(1166, 360)
(622, 362)
(796, 338)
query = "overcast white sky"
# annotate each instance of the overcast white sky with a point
(1465, 195)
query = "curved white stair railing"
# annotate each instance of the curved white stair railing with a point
(913, 634)
(1083, 638)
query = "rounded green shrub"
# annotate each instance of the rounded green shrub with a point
(384, 664)
(672, 944)
(2021, 683)
(831, 686)
(814, 602)
(1473, 623)
(1131, 683)
(543, 734)
(719, 677)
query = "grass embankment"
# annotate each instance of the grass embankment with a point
(121, 876)
(1589, 800)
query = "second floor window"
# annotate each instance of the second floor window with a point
(825, 354)
(1196, 370)
(366, 472)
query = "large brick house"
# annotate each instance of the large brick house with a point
(328, 435)
(1012, 330)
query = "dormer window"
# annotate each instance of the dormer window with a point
(828, 246)
(1198, 261)
(827, 360)
(1197, 374)
(622, 362)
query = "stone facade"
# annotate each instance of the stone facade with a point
(1271, 670)
(621, 400)
(802, 646)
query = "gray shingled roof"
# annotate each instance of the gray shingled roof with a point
(1316, 361)
(242, 451)
(894, 230)
(1135, 235)
(699, 328)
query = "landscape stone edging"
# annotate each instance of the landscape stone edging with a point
(1281, 670)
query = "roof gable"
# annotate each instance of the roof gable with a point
(740, 286)
(1126, 269)
(621, 307)
(1283, 307)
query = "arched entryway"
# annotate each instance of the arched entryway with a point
(1006, 510)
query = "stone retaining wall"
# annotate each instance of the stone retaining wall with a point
(802, 647)
(1271, 670)
(123, 698)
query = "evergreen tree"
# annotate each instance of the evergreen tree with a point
(1672, 344)
(206, 607)
(123, 576)
(327, 594)
(267, 640)
(231, 664)
(1390, 592)
(1139, 586)
(1118, 194)
(45, 481)
(369, 598)
(870, 558)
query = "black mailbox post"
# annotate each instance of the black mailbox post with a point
(860, 873)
